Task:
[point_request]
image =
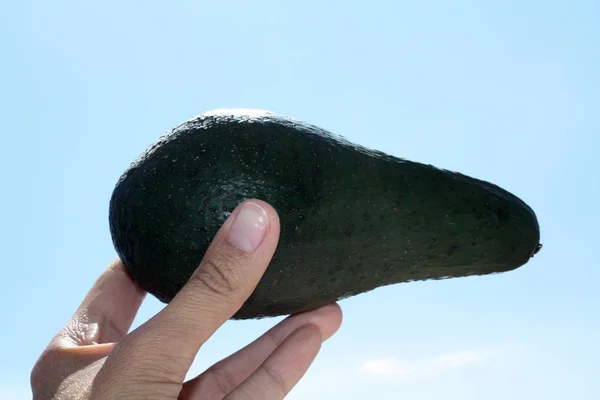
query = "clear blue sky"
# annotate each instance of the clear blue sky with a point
(508, 92)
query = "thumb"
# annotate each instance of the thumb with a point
(160, 352)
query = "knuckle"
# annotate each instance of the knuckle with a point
(39, 372)
(275, 377)
(275, 337)
(224, 381)
(219, 274)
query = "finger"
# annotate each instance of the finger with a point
(106, 313)
(165, 346)
(104, 316)
(224, 376)
(282, 370)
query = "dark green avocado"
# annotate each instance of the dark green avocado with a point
(352, 219)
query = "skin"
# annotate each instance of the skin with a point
(93, 356)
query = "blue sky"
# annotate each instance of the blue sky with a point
(508, 92)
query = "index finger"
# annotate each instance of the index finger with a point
(232, 266)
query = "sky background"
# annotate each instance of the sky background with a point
(504, 91)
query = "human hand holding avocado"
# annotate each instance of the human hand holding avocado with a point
(93, 357)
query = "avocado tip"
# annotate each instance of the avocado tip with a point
(537, 249)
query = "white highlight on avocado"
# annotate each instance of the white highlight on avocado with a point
(238, 112)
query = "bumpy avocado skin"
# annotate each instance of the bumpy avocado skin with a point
(352, 219)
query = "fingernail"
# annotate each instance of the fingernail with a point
(249, 227)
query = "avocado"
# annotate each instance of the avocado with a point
(352, 218)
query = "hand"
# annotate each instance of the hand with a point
(93, 357)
